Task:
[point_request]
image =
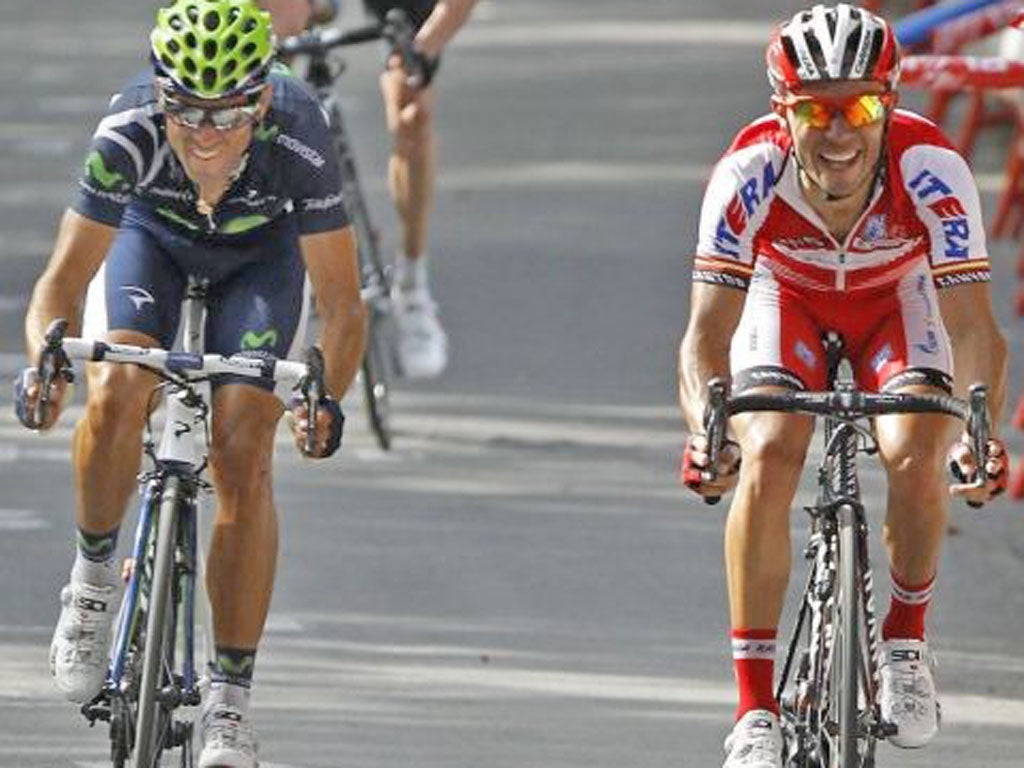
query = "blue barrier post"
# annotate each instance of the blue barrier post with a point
(918, 26)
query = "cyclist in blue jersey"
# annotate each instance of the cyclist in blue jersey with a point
(409, 112)
(217, 165)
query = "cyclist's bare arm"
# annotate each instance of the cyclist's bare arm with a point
(440, 27)
(81, 246)
(980, 355)
(704, 353)
(333, 270)
(979, 349)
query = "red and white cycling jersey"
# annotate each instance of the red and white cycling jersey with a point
(926, 207)
(922, 230)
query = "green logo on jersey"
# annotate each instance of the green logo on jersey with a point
(253, 340)
(243, 224)
(266, 132)
(168, 213)
(97, 169)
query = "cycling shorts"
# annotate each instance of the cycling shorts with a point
(894, 337)
(258, 297)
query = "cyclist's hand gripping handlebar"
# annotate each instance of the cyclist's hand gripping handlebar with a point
(314, 398)
(398, 31)
(704, 454)
(38, 390)
(978, 461)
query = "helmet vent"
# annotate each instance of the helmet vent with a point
(209, 77)
(166, 61)
(233, 15)
(210, 49)
(249, 49)
(189, 63)
(193, 13)
(172, 46)
(230, 42)
(211, 21)
(229, 68)
(249, 25)
(175, 23)
(190, 40)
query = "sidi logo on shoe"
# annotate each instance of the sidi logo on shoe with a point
(88, 604)
(905, 654)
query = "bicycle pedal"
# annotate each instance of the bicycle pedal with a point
(94, 712)
(883, 729)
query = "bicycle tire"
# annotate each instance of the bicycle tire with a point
(377, 360)
(846, 661)
(151, 720)
(377, 381)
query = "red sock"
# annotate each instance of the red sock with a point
(907, 609)
(753, 661)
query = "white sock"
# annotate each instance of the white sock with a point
(411, 274)
(105, 573)
(226, 693)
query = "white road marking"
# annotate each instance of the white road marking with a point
(22, 520)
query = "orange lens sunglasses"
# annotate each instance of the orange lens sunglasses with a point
(858, 111)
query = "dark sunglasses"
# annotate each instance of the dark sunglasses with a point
(192, 116)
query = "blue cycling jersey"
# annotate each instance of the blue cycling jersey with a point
(290, 168)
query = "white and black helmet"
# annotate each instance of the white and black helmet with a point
(825, 44)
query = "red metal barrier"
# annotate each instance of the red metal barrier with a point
(956, 73)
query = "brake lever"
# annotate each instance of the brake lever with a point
(312, 390)
(51, 364)
(714, 429)
(978, 430)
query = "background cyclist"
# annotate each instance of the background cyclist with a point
(409, 112)
(209, 164)
(837, 212)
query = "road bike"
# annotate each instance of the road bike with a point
(321, 71)
(828, 687)
(152, 671)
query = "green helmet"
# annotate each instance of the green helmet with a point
(212, 48)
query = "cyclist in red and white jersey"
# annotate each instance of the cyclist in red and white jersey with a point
(838, 212)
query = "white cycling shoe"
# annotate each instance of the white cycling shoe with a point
(755, 741)
(226, 730)
(422, 342)
(907, 696)
(79, 652)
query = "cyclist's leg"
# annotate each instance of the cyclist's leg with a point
(410, 120)
(290, 17)
(133, 299)
(910, 352)
(776, 347)
(260, 309)
(136, 299)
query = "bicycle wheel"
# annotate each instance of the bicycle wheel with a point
(152, 719)
(377, 378)
(375, 287)
(845, 688)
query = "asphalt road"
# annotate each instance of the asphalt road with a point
(520, 582)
